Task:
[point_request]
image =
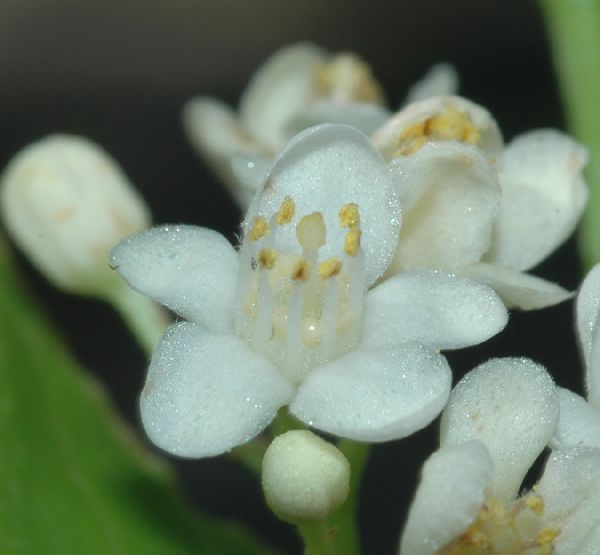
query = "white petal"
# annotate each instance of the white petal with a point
(440, 80)
(516, 289)
(432, 308)
(510, 404)
(571, 493)
(543, 197)
(451, 493)
(587, 309)
(322, 169)
(250, 172)
(578, 422)
(207, 393)
(215, 132)
(376, 395)
(386, 138)
(363, 116)
(450, 198)
(279, 89)
(191, 270)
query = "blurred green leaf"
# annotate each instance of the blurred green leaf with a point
(73, 480)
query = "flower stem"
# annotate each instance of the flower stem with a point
(574, 32)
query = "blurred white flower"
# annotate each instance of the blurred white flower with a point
(297, 87)
(474, 206)
(498, 419)
(288, 319)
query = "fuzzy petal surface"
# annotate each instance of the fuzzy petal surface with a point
(191, 270)
(516, 289)
(578, 423)
(450, 198)
(543, 197)
(511, 405)
(321, 169)
(442, 310)
(207, 393)
(452, 490)
(375, 395)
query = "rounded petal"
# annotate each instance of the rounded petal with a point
(279, 89)
(191, 270)
(578, 423)
(207, 393)
(376, 395)
(587, 309)
(511, 405)
(516, 289)
(440, 80)
(215, 132)
(452, 490)
(571, 493)
(543, 197)
(442, 310)
(322, 169)
(413, 116)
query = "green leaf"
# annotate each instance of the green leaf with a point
(73, 479)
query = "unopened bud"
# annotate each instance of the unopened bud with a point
(66, 203)
(304, 477)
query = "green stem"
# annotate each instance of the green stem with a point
(574, 32)
(319, 538)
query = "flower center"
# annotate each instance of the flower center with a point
(297, 308)
(450, 125)
(506, 529)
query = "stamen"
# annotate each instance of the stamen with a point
(349, 215)
(286, 212)
(352, 242)
(267, 258)
(310, 231)
(260, 228)
(329, 268)
(301, 270)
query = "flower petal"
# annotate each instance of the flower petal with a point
(191, 270)
(587, 309)
(452, 490)
(440, 80)
(376, 395)
(578, 423)
(207, 393)
(571, 493)
(215, 132)
(279, 89)
(543, 197)
(442, 310)
(450, 198)
(511, 405)
(322, 169)
(516, 289)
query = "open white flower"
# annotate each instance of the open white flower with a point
(497, 422)
(472, 205)
(297, 87)
(288, 319)
(579, 422)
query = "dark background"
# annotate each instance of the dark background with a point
(118, 72)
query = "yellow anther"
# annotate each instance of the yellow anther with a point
(267, 258)
(547, 535)
(310, 231)
(286, 211)
(329, 268)
(352, 242)
(301, 270)
(260, 228)
(349, 215)
(535, 503)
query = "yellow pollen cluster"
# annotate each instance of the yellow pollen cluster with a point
(310, 231)
(352, 242)
(329, 268)
(286, 212)
(501, 529)
(267, 258)
(349, 215)
(349, 78)
(450, 125)
(260, 228)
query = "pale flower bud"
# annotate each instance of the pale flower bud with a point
(66, 203)
(304, 477)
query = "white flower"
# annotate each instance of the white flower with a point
(287, 320)
(497, 422)
(579, 422)
(472, 205)
(299, 86)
